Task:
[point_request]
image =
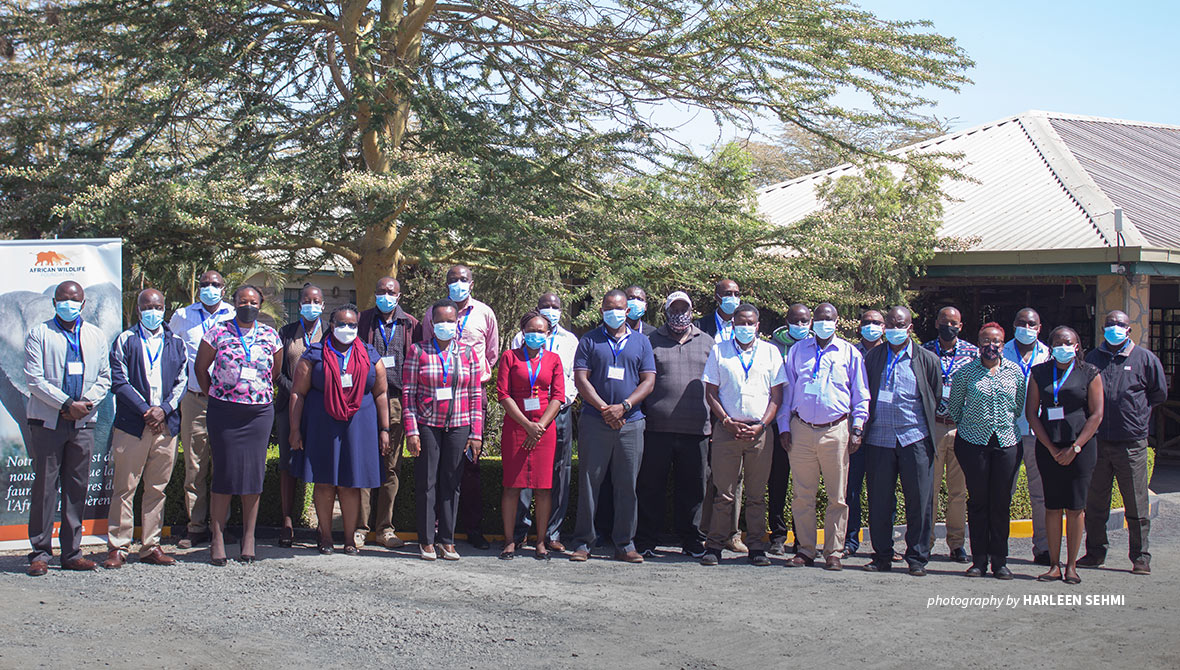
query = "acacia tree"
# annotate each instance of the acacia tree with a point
(388, 132)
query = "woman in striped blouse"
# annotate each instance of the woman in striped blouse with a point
(442, 409)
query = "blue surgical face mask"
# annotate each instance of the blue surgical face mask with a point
(614, 318)
(386, 303)
(534, 340)
(553, 314)
(310, 311)
(872, 331)
(1026, 335)
(799, 331)
(210, 295)
(1115, 335)
(1064, 354)
(745, 334)
(459, 290)
(824, 329)
(445, 330)
(897, 335)
(636, 308)
(68, 310)
(151, 318)
(729, 303)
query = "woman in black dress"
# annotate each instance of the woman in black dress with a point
(1064, 409)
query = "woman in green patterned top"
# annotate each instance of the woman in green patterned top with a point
(986, 399)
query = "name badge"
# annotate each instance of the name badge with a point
(813, 387)
(614, 372)
(346, 380)
(885, 396)
(1127, 368)
(946, 392)
(532, 404)
(444, 393)
(248, 374)
(74, 368)
(389, 361)
(1056, 413)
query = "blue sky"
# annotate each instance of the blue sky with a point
(1113, 59)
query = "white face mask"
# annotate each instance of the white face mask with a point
(345, 334)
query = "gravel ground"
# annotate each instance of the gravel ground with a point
(383, 608)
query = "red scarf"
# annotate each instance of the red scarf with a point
(341, 403)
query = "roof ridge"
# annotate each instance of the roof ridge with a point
(1065, 116)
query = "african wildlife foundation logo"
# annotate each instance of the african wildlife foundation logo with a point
(54, 262)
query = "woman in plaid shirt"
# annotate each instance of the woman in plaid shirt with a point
(442, 408)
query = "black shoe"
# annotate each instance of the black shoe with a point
(647, 553)
(974, 571)
(1091, 561)
(1140, 566)
(246, 559)
(507, 554)
(711, 557)
(217, 562)
(850, 552)
(478, 541)
(326, 548)
(696, 550)
(776, 547)
(1002, 572)
(351, 550)
(758, 557)
(286, 537)
(873, 566)
(1041, 557)
(959, 555)
(917, 571)
(193, 539)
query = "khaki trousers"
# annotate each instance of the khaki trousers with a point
(198, 460)
(956, 485)
(149, 458)
(815, 452)
(731, 457)
(390, 476)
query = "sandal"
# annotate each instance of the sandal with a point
(1050, 577)
(326, 547)
(541, 554)
(1073, 580)
(286, 537)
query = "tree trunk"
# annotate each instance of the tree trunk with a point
(373, 266)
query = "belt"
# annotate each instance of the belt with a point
(944, 420)
(842, 419)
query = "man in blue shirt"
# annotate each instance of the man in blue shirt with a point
(614, 371)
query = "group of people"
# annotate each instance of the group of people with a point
(730, 416)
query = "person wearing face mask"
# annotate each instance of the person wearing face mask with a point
(821, 422)
(68, 373)
(190, 324)
(676, 439)
(1025, 350)
(797, 329)
(477, 327)
(296, 338)
(872, 326)
(1064, 407)
(727, 295)
(339, 423)
(236, 366)
(614, 371)
(149, 377)
(636, 309)
(390, 330)
(954, 353)
(1133, 382)
(442, 409)
(743, 380)
(987, 397)
(563, 343)
(905, 383)
(530, 386)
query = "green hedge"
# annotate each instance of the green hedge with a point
(491, 477)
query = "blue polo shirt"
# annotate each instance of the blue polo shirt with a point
(597, 354)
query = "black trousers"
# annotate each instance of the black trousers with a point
(61, 453)
(1126, 463)
(914, 464)
(437, 471)
(990, 471)
(776, 493)
(686, 458)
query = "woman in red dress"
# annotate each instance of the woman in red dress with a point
(531, 387)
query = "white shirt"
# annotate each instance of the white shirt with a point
(154, 345)
(744, 395)
(1041, 353)
(565, 345)
(190, 324)
(724, 329)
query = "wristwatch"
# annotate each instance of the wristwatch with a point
(383, 429)
(858, 431)
(1077, 449)
(626, 406)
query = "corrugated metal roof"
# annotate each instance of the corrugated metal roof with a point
(1028, 190)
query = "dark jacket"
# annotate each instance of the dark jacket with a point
(1132, 383)
(927, 372)
(408, 332)
(130, 384)
(286, 379)
(708, 323)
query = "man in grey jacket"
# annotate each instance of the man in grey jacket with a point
(68, 373)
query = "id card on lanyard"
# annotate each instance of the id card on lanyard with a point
(345, 378)
(389, 360)
(532, 403)
(248, 372)
(444, 392)
(946, 370)
(615, 371)
(889, 380)
(75, 342)
(814, 386)
(1057, 412)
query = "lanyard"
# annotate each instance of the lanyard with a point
(445, 362)
(1032, 357)
(466, 315)
(151, 359)
(723, 326)
(208, 323)
(392, 330)
(819, 357)
(1057, 385)
(552, 341)
(307, 337)
(344, 357)
(946, 369)
(615, 349)
(742, 357)
(242, 338)
(529, 363)
(891, 364)
(74, 338)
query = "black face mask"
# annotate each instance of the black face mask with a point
(247, 313)
(947, 332)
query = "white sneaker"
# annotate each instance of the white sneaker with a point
(359, 538)
(390, 540)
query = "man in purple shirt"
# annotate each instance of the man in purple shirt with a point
(825, 406)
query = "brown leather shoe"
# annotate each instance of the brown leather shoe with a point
(554, 545)
(580, 556)
(157, 557)
(800, 561)
(79, 564)
(736, 545)
(629, 556)
(114, 560)
(833, 563)
(38, 568)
